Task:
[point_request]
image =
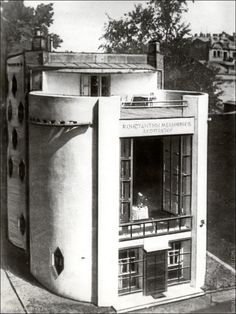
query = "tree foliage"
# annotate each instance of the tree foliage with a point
(162, 20)
(157, 20)
(19, 23)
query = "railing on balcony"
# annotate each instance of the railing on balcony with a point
(154, 227)
(143, 101)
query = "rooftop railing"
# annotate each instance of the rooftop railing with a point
(154, 101)
(154, 227)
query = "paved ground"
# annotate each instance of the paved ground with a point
(21, 296)
(225, 307)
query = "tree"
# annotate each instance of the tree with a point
(161, 20)
(19, 23)
(158, 20)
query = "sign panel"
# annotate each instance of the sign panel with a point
(152, 127)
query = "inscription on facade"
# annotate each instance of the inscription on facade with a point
(150, 127)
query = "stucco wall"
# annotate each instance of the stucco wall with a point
(121, 84)
(61, 83)
(16, 197)
(60, 176)
(136, 83)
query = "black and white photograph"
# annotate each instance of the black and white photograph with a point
(118, 156)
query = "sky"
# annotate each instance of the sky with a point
(81, 23)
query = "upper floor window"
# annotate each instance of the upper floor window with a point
(155, 185)
(155, 177)
(95, 85)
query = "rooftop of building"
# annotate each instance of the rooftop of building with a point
(224, 38)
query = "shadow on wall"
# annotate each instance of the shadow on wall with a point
(12, 258)
(15, 259)
(57, 136)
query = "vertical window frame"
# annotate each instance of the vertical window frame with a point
(88, 78)
(125, 180)
(180, 256)
(137, 274)
(179, 174)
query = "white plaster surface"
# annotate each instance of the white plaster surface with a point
(60, 175)
(61, 83)
(128, 84)
(108, 199)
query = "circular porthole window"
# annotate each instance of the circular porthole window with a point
(14, 138)
(22, 170)
(10, 167)
(20, 112)
(9, 111)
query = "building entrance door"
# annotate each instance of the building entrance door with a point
(155, 270)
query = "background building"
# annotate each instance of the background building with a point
(219, 51)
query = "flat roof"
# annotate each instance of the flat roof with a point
(99, 67)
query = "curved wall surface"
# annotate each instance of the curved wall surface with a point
(60, 179)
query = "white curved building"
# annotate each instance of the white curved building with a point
(107, 177)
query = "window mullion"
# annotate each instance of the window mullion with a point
(99, 85)
(180, 174)
(131, 173)
(171, 198)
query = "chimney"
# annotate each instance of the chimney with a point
(39, 42)
(49, 43)
(154, 53)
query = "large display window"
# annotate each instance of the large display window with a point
(155, 182)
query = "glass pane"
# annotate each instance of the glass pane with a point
(186, 165)
(186, 246)
(167, 161)
(105, 86)
(125, 169)
(94, 85)
(166, 179)
(175, 141)
(175, 165)
(166, 201)
(186, 274)
(175, 184)
(125, 147)
(186, 205)
(173, 273)
(85, 86)
(124, 212)
(187, 145)
(175, 204)
(125, 190)
(186, 185)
